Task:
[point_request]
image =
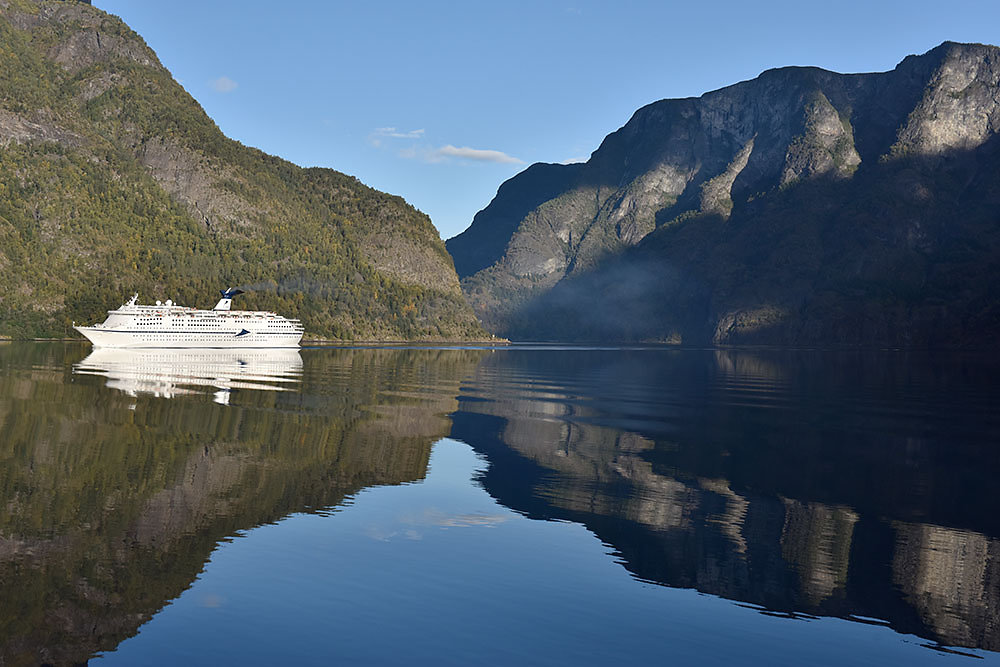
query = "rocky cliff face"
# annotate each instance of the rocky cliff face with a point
(113, 180)
(762, 212)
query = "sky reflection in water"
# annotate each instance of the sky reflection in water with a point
(546, 506)
(439, 572)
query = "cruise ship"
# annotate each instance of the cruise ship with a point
(168, 325)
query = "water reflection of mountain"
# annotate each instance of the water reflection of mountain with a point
(862, 487)
(169, 373)
(113, 503)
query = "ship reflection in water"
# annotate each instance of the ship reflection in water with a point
(787, 507)
(169, 373)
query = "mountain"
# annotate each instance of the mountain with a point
(114, 180)
(801, 207)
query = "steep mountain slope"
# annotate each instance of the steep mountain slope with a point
(803, 206)
(114, 180)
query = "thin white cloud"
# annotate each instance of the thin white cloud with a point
(576, 160)
(470, 520)
(397, 134)
(476, 154)
(435, 517)
(421, 151)
(224, 85)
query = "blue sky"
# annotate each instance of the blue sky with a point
(440, 102)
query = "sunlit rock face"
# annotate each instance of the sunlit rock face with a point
(817, 539)
(775, 210)
(959, 108)
(951, 577)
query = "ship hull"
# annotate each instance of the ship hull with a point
(103, 337)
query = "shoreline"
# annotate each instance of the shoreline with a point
(311, 341)
(504, 342)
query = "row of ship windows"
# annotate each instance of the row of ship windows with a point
(216, 330)
(271, 325)
(203, 333)
(213, 322)
(199, 337)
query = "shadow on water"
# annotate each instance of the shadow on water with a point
(858, 485)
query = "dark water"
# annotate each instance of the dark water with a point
(518, 506)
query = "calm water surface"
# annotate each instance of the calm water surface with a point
(528, 505)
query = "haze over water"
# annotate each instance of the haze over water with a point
(536, 505)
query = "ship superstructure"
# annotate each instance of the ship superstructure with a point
(134, 325)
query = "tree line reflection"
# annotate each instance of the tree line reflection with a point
(114, 498)
(853, 485)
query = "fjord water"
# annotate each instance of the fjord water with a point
(536, 505)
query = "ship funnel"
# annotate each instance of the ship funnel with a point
(226, 302)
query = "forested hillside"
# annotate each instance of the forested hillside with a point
(114, 180)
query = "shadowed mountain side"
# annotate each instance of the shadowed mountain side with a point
(907, 253)
(515, 199)
(114, 180)
(113, 506)
(758, 481)
(803, 206)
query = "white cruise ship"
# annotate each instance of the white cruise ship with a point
(168, 325)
